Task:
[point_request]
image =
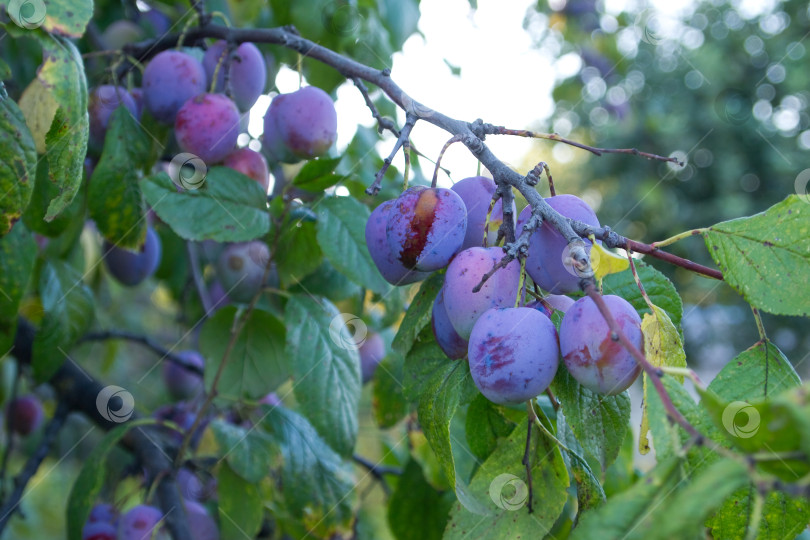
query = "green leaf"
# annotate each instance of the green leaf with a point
(257, 364)
(655, 509)
(62, 71)
(745, 378)
(230, 207)
(418, 314)
(65, 17)
(449, 386)
(341, 234)
(766, 257)
(500, 483)
(416, 511)
(18, 161)
(317, 484)
(326, 369)
(590, 493)
(659, 288)
(421, 364)
(485, 425)
(240, 505)
(389, 404)
(669, 439)
(69, 221)
(662, 347)
(297, 254)
(68, 305)
(88, 484)
(114, 196)
(18, 251)
(318, 174)
(245, 450)
(782, 516)
(598, 421)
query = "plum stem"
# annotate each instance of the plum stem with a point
(454, 139)
(638, 281)
(374, 188)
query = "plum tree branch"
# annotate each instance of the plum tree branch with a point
(146, 342)
(12, 504)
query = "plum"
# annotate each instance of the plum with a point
(198, 486)
(101, 103)
(477, 192)
(131, 268)
(547, 247)
(390, 268)
(247, 72)
(103, 512)
(594, 359)
(169, 80)
(24, 414)
(240, 269)
(426, 227)
(182, 383)
(464, 273)
(250, 163)
(300, 125)
(140, 522)
(201, 525)
(552, 302)
(207, 126)
(513, 354)
(453, 345)
(100, 530)
(371, 351)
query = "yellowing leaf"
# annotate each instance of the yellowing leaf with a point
(605, 262)
(662, 347)
(38, 107)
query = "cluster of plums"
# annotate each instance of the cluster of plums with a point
(513, 351)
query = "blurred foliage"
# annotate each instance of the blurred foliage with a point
(721, 88)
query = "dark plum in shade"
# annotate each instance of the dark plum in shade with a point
(100, 530)
(389, 267)
(453, 345)
(207, 126)
(513, 354)
(181, 382)
(240, 269)
(426, 227)
(551, 303)
(129, 267)
(140, 522)
(464, 273)
(371, 351)
(201, 525)
(101, 103)
(170, 79)
(591, 356)
(477, 192)
(300, 125)
(24, 414)
(247, 76)
(544, 263)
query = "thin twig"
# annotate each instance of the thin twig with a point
(383, 122)
(378, 471)
(527, 453)
(374, 188)
(164, 353)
